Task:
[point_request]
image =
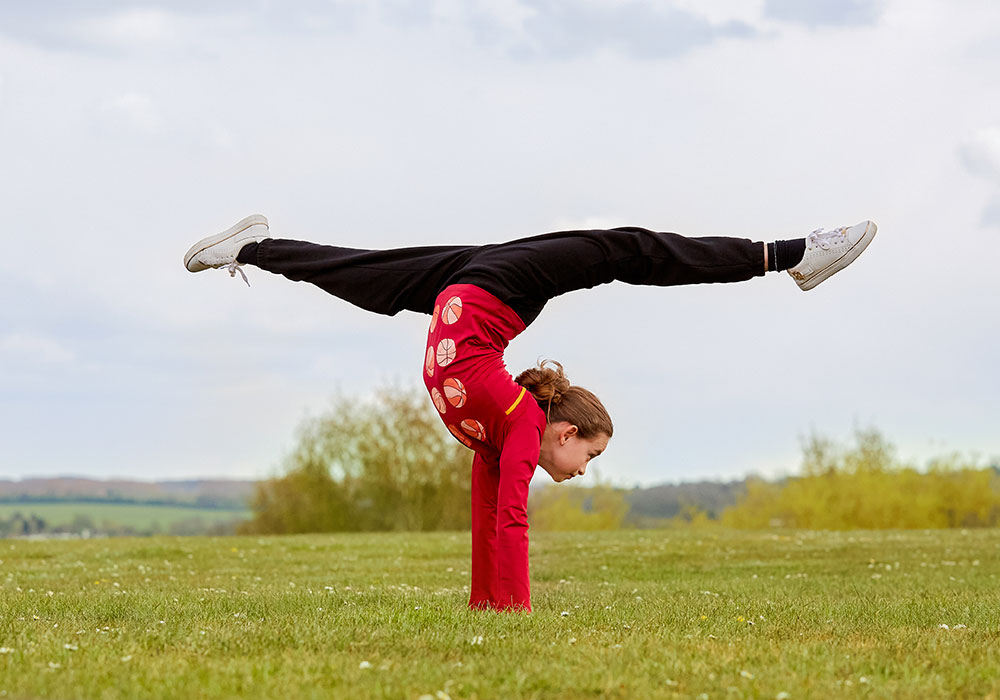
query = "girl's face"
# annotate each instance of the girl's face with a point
(564, 454)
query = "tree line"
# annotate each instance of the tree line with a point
(82, 525)
(385, 464)
(866, 486)
(377, 464)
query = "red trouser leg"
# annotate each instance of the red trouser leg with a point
(485, 487)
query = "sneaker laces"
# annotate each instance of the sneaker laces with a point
(235, 267)
(825, 239)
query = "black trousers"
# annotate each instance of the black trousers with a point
(524, 274)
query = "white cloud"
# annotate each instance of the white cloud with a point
(533, 29)
(589, 223)
(562, 30)
(104, 28)
(142, 117)
(508, 14)
(719, 11)
(358, 131)
(816, 13)
(28, 348)
(991, 214)
(981, 153)
(132, 27)
(134, 112)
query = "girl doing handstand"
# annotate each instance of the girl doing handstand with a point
(481, 297)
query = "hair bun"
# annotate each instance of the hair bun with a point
(546, 384)
(562, 402)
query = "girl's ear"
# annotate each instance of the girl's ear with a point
(568, 432)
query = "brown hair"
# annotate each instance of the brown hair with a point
(562, 401)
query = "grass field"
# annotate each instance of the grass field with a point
(139, 515)
(629, 614)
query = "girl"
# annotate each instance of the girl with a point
(480, 298)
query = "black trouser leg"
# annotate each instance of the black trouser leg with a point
(383, 281)
(526, 273)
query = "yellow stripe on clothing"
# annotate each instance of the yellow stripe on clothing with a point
(519, 397)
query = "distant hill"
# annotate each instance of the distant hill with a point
(668, 500)
(654, 502)
(217, 493)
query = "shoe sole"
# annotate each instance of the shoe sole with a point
(846, 259)
(206, 243)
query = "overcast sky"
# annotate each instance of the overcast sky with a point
(129, 130)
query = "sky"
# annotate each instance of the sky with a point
(130, 130)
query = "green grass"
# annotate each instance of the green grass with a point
(137, 515)
(634, 614)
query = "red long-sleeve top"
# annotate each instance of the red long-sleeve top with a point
(487, 411)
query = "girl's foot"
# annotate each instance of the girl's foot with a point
(221, 249)
(829, 252)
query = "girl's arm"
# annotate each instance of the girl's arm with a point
(517, 464)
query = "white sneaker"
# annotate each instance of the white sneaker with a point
(221, 249)
(829, 252)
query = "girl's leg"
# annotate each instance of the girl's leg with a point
(383, 281)
(526, 273)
